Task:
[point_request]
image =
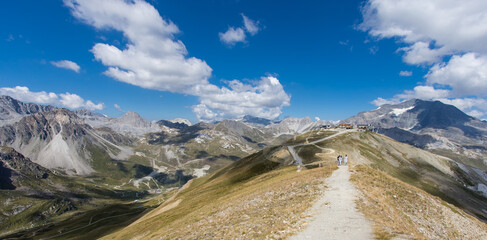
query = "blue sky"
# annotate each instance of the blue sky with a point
(330, 61)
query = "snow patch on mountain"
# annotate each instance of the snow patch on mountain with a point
(399, 111)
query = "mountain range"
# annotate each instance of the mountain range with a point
(431, 125)
(64, 140)
(86, 161)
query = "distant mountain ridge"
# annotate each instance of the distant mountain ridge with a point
(128, 157)
(65, 140)
(12, 110)
(429, 124)
(56, 139)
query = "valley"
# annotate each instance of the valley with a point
(243, 120)
(81, 175)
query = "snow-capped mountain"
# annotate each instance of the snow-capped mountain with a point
(428, 124)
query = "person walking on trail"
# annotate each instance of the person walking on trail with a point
(345, 159)
(338, 160)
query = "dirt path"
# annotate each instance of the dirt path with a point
(298, 160)
(334, 215)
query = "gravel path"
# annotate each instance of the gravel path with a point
(334, 215)
(298, 159)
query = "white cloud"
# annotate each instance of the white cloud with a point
(433, 31)
(232, 36)
(421, 53)
(118, 107)
(250, 25)
(467, 104)
(381, 101)
(237, 34)
(476, 114)
(465, 75)
(263, 98)
(405, 73)
(154, 59)
(450, 24)
(424, 92)
(67, 65)
(67, 99)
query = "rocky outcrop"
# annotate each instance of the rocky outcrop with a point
(14, 168)
(12, 110)
(58, 139)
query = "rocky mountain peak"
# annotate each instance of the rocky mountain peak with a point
(13, 164)
(131, 116)
(87, 113)
(133, 119)
(256, 120)
(174, 124)
(12, 110)
(63, 116)
(439, 115)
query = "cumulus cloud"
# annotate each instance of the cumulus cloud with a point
(466, 74)
(67, 99)
(66, 64)
(432, 32)
(424, 92)
(419, 92)
(263, 98)
(232, 36)
(237, 34)
(154, 59)
(405, 73)
(250, 25)
(449, 24)
(421, 53)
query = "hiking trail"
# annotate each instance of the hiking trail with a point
(334, 215)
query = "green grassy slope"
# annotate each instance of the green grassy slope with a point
(246, 198)
(434, 174)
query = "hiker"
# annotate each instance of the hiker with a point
(346, 159)
(338, 160)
